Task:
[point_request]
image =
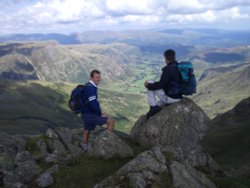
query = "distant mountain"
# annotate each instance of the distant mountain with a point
(190, 37)
(61, 38)
(228, 139)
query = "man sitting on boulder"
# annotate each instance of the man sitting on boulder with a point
(164, 89)
(91, 111)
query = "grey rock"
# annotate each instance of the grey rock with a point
(12, 181)
(58, 148)
(6, 162)
(51, 158)
(184, 176)
(146, 161)
(10, 178)
(65, 134)
(145, 170)
(26, 169)
(66, 159)
(179, 126)
(107, 145)
(51, 134)
(23, 157)
(136, 180)
(75, 149)
(41, 145)
(53, 169)
(10, 145)
(45, 180)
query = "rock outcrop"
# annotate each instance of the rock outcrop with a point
(171, 142)
(153, 169)
(179, 128)
(173, 138)
(107, 145)
(60, 146)
(19, 156)
(186, 176)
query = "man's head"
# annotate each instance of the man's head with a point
(95, 76)
(169, 55)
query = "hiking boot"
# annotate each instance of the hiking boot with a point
(85, 147)
(152, 111)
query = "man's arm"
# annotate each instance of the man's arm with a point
(159, 85)
(92, 100)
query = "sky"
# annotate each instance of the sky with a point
(70, 16)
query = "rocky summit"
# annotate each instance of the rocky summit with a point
(179, 128)
(170, 153)
(172, 138)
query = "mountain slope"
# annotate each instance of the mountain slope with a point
(53, 62)
(30, 107)
(221, 93)
(228, 139)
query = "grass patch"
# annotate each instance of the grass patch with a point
(229, 146)
(87, 172)
(231, 182)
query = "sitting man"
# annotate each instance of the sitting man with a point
(164, 89)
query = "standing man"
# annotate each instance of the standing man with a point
(91, 112)
(164, 89)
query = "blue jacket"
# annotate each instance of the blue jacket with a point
(91, 105)
(170, 73)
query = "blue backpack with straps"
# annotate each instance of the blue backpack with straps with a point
(77, 99)
(188, 84)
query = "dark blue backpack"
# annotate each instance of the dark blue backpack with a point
(188, 84)
(77, 100)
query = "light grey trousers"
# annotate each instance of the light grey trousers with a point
(158, 97)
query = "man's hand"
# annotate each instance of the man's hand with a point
(104, 114)
(146, 84)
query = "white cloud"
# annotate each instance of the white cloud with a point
(129, 6)
(48, 15)
(191, 6)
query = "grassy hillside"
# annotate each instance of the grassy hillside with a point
(222, 92)
(28, 107)
(50, 61)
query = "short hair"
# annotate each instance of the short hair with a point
(94, 72)
(169, 54)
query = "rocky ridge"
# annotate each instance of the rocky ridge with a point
(172, 152)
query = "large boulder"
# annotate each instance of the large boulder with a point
(178, 127)
(107, 145)
(186, 176)
(154, 168)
